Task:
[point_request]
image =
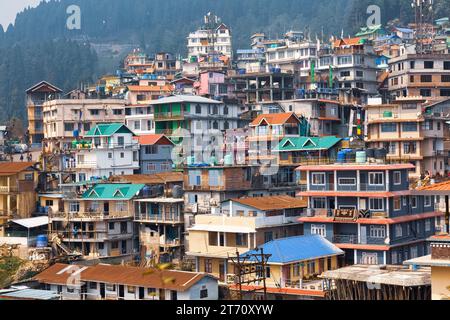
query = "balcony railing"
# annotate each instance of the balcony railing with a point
(6, 189)
(91, 215)
(170, 218)
(168, 115)
(345, 238)
(362, 187)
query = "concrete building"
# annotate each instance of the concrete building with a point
(409, 134)
(36, 97)
(368, 211)
(241, 225)
(110, 150)
(155, 154)
(213, 36)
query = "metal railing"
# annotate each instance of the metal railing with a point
(355, 187)
(171, 218)
(345, 238)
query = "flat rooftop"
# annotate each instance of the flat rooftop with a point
(387, 275)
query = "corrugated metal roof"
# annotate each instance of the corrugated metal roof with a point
(133, 276)
(302, 248)
(113, 191)
(273, 118)
(157, 178)
(30, 294)
(307, 143)
(272, 203)
(106, 129)
(10, 168)
(184, 98)
(32, 222)
(152, 139)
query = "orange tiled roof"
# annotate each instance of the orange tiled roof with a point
(273, 203)
(157, 178)
(347, 42)
(442, 186)
(152, 139)
(273, 118)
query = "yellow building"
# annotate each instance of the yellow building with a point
(292, 267)
(242, 225)
(18, 182)
(439, 261)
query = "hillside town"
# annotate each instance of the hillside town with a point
(298, 168)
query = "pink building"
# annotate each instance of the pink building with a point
(212, 84)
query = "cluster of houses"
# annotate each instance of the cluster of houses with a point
(312, 155)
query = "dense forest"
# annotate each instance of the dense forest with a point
(39, 46)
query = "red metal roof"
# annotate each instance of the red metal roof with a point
(273, 118)
(10, 168)
(152, 139)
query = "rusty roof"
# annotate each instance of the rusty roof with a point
(11, 168)
(157, 178)
(152, 139)
(115, 274)
(273, 118)
(273, 202)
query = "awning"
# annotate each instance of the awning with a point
(32, 222)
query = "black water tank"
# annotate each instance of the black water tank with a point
(177, 192)
(370, 153)
(380, 153)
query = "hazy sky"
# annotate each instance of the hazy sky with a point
(9, 9)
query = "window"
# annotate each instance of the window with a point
(347, 181)
(48, 203)
(74, 206)
(111, 226)
(311, 267)
(397, 178)
(208, 265)
(319, 203)
(345, 73)
(445, 92)
(203, 293)
(376, 204)
(397, 203)
(109, 155)
(93, 285)
(117, 112)
(378, 232)
(388, 127)
(215, 178)
(195, 178)
(413, 202)
(376, 178)
(426, 78)
(29, 177)
(318, 179)
(409, 148)
(398, 230)
(425, 92)
(151, 292)
(319, 229)
(241, 240)
(121, 206)
(446, 65)
(131, 290)
(427, 201)
(428, 64)
(297, 269)
(68, 126)
(427, 225)
(409, 127)
(359, 73)
(445, 78)
(268, 236)
(151, 149)
(122, 155)
(412, 64)
(115, 245)
(110, 287)
(394, 257)
(121, 141)
(94, 112)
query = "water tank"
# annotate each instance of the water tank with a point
(228, 160)
(370, 153)
(213, 161)
(76, 133)
(341, 156)
(361, 157)
(350, 156)
(146, 192)
(190, 161)
(177, 192)
(380, 153)
(42, 241)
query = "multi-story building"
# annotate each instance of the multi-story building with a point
(166, 65)
(409, 134)
(68, 119)
(146, 94)
(367, 210)
(212, 37)
(155, 154)
(240, 226)
(139, 118)
(110, 150)
(199, 116)
(36, 97)
(99, 224)
(113, 282)
(425, 75)
(251, 60)
(18, 183)
(213, 85)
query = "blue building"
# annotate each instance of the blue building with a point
(156, 153)
(368, 211)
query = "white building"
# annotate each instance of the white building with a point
(213, 36)
(109, 150)
(140, 119)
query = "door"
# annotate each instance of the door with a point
(363, 234)
(121, 291)
(124, 247)
(286, 274)
(222, 272)
(173, 295)
(102, 290)
(162, 294)
(141, 293)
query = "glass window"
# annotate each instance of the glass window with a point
(376, 204)
(318, 179)
(319, 229)
(378, 232)
(397, 177)
(397, 203)
(388, 127)
(409, 127)
(347, 181)
(376, 178)
(427, 201)
(319, 203)
(398, 230)
(215, 178)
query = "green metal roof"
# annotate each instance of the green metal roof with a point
(369, 30)
(306, 144)
(113, 191)
(108, 129)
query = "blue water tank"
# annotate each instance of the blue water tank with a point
(341, 156)
(42, 241)
(76, 133)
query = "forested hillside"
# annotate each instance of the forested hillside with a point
(34, 48)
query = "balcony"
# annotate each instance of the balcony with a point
(90, 216)
(169, 115)
(86, 165)
(347, 188)
(160, 218)
(345, 238)
(9, 189)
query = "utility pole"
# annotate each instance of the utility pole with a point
(250, 268)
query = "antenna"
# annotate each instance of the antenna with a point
(424, 18)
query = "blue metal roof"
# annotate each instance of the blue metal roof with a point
(30, 294)
(295, 249)
(404, 30)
